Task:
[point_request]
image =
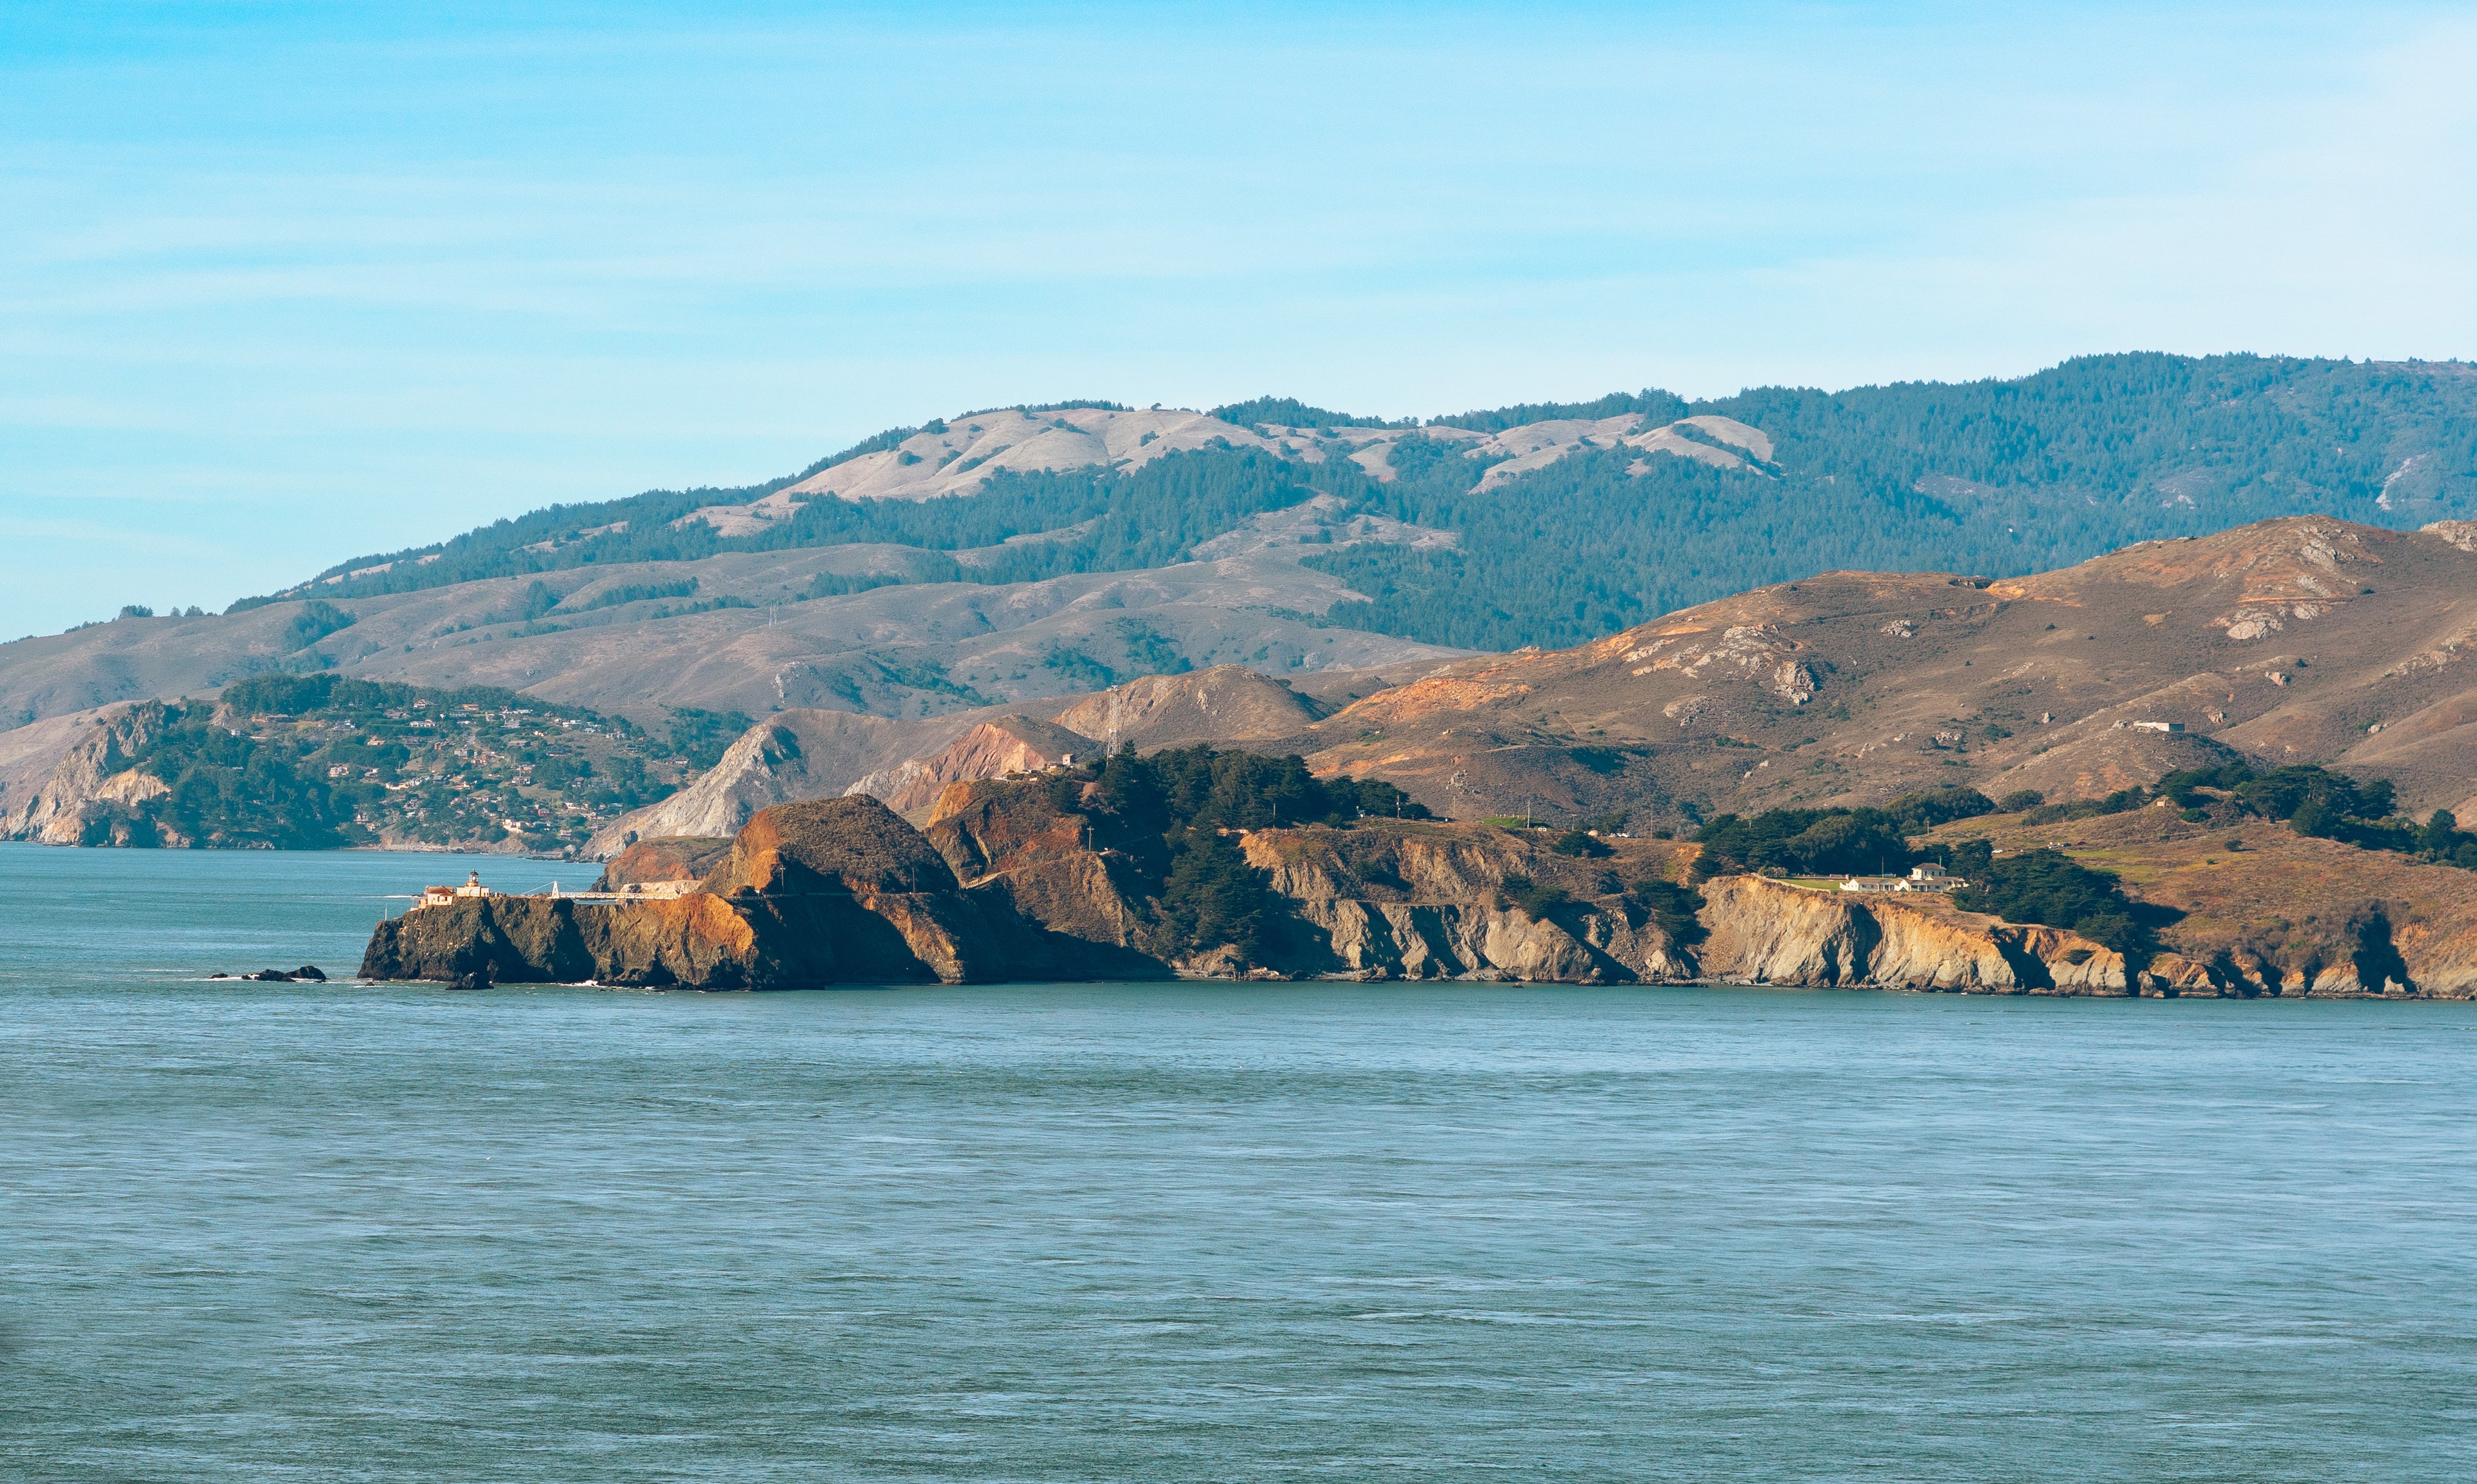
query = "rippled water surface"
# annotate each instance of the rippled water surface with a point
(1178, 1231)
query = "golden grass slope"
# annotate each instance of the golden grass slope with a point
(2298, 640)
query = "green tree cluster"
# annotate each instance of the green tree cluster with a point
(1651, 402)
(230, 790)
(1170, 812)
(634, 592)
(300, 695)
(2319, 804)
(317, 619)
(2049, 886)
(1671, 908)
(304, 763)
(1830, 842)
(1291, 412)
(1996, 478)
(702, 736)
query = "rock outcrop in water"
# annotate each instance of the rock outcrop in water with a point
(832, 891)
(1033, 879)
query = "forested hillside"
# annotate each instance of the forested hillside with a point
(322, 761)
(1993, 478)
(1990, 478)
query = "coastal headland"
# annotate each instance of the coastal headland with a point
(1042, 877)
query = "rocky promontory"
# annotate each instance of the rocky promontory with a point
(834, 891)
(1037, 877)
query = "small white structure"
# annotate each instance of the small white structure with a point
(656, 891)
(1930, 877)
(446, 896)
(2157, 726)
(1871, 883)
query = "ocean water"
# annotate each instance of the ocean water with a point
(1183, 1231)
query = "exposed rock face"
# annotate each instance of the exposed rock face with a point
(697, 940)
(1014, 842)
(90, 788)
(1430, 901)
(672, 859)
(839, 886)
(1225, 704)
(2441, 964)
(2261, 910)
(804, 754)
(1767, 935)
(1766, 932)
(1011, 744)
(832, 891)
(1427, 900)
(794, 756)
(1030, 879)
(1382, 900)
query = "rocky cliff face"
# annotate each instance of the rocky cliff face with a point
(699, 941)
(804, 754)
(1433, 902)
(672, 858)
(1014, 842)
(1387, 904)
(1767, 932)
(1388, 900)
(1026, 880)
(796, 754)
(2261, 910)
(1225, 704)
(1383, 900)
(834, 891)
(86, 796)
(993, 748)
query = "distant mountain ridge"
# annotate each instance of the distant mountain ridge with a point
(1996, 476)
(1000, 559)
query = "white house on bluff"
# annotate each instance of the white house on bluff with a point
(1927, 878)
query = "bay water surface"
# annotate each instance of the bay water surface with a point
(1188, 1231)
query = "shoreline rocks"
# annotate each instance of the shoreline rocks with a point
(831, 891)
(1011, 883)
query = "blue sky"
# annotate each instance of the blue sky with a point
(281, 284)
